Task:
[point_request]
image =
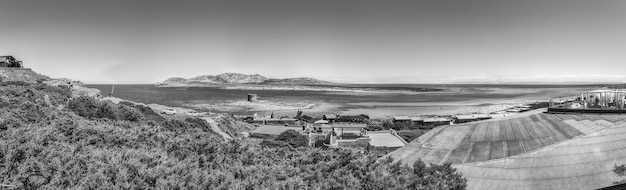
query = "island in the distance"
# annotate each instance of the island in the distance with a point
(226, 79)
(259, 82)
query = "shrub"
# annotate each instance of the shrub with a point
(84, 106)
(273, 144)
(69, 151)
(353, 118)
(410, 135)
(293, 138)
(106, 109)
(149, 114)
(128, 113)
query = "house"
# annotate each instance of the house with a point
(10, 61)
(401, 119)
(329, 117)
(436, 121)
(257, 120)
(417, 120)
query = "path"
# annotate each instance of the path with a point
(217, 129)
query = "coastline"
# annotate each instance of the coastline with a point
(297, 87)
(450, 101)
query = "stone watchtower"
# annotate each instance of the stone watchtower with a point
(252, 97)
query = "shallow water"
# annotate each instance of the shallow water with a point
(451, 100)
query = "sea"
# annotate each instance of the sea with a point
(424, 99)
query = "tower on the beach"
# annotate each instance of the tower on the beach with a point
(252, 97)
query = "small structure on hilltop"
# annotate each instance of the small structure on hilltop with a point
(252, 98)
(10, 61)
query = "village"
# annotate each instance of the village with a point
(359, 132)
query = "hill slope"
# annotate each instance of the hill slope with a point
(50, 139)
(538, 151)
(238, 78)
(21, 74)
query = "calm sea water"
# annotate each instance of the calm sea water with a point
(186, 96)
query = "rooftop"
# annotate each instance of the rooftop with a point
(435, 119)
(385, 140)
(401, 118)
(416, 118)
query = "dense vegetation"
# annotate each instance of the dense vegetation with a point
(49, 140)
(410, 135)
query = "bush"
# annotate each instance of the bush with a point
(293, 138)
(128, 113)
(107, 109)
(387, 124)
(69, 151)
(353, 118)
(273, 144)
(410, 135)
(91, 108)
(84, 106)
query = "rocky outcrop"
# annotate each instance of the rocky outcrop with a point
(29, 76)
(77, 87)
(21, 74)
(237, 78)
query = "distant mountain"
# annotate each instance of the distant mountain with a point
(228, 78)
(238, 78)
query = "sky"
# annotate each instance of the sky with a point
(354, 41)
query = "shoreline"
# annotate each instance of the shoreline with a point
(472, 100)
(330, 89)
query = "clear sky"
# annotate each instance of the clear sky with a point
(381, 41)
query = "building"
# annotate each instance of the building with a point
(417, 120)
(401, 120)
(329, 117)
(436, 121)
(470, 118)
(10, 61)
(597, 101)
(252, 98)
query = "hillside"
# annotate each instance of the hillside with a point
(21, 74)
(51, 138)
(238, 78)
